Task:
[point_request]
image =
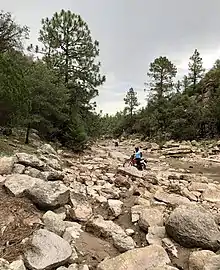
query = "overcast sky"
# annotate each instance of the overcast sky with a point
(132, 33)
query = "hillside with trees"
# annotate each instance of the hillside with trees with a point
(183, 109)
(50, 88)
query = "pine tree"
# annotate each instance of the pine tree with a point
(196, 70)
(161, 73)
(70, 50)
(131, 101)
(178, 86)
(185, 83)
(11, 34)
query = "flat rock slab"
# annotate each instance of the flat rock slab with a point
(193, 226)
(17, 184)
(171, 198)
(147, 258)
(49, 251)
(131, 171)
(211, 195)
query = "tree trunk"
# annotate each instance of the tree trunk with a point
(27, 133)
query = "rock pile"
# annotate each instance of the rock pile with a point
(96, 214)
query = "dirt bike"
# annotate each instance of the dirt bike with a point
(132, 162)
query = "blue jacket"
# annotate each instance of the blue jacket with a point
(138, 154)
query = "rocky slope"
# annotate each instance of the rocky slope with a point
(79, 212)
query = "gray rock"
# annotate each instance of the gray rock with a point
(49, 251)
(48, 195)
(171, 198)
(211, 195)
(150, 217)
(189, 195)
(17, 184)
(6, 165)
(213, 263)
(109, 229)
(147, 258)
(18, 169)
(72, 233)
(82, 209)
(33, 172)
(52, 175)
(196, 186)
(198, 259)
(155, 235)
(48, 149)
(115, 207)
(193, 226)
(54, 223)
(30, 160)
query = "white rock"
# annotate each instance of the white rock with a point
(18, 265)
(49, 251)
(115, 206)
(109, 229)
(147, 258)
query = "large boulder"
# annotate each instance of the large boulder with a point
(48, 251)
(6, 165)
(213, 263)
(30, 160)
(48, 195)
(193, 226)
(17, 184)
(198, 259)
(108, 228)
(147, 258)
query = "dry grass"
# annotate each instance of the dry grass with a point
(19, 218)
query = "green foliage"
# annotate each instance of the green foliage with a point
(179, 115)
(196, 70)
(53, 95)
(161, 74)
(131, 101)
(11, 34)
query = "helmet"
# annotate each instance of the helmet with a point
(136, 149)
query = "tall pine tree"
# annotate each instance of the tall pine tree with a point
(196, 70)
(161, 74)
(131, 101)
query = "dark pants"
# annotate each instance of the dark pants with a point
(138, 162)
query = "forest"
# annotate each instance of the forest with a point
(51, 88)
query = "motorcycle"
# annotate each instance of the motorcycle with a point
(132, 162)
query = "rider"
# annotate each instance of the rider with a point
(138, 156)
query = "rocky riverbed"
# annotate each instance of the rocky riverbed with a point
(65, 211)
